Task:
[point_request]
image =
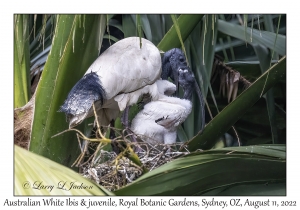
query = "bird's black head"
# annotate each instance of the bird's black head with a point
(81, 98)
(174, 65)
(172, 61)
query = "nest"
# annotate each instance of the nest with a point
(22, 123)
(112, 170)
(114, 163)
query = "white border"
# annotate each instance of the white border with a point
(153, 6)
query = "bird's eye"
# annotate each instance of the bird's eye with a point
(181, 59)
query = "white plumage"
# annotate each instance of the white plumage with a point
(157, 123)
(124, 68)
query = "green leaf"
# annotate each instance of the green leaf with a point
(33, 171)
(158, 26)
(264, 60)
(76, 44)
(254, 189)
(186, 24)
(234, 111)
(21, 60)
(205, 50)
(182, 136)
(146, 26)
(202, 56)
(200, 172)
(128, 25)
(268, 22)
(265, 38)
(43, 37)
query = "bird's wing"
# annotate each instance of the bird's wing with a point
(82, 96)
(155, 90)
(128, 99)
(169, 121)
(147, 129)
(165, 87)
(126, 66)
(166, 114)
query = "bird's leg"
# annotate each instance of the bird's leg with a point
(125, 123)
(112, 133)
(124, 118)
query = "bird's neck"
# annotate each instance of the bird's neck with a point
(188, 93)
(166, 70)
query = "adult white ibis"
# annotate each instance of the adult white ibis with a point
(157, 123)
(125, 67)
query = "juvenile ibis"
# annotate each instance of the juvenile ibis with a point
(157, 123)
